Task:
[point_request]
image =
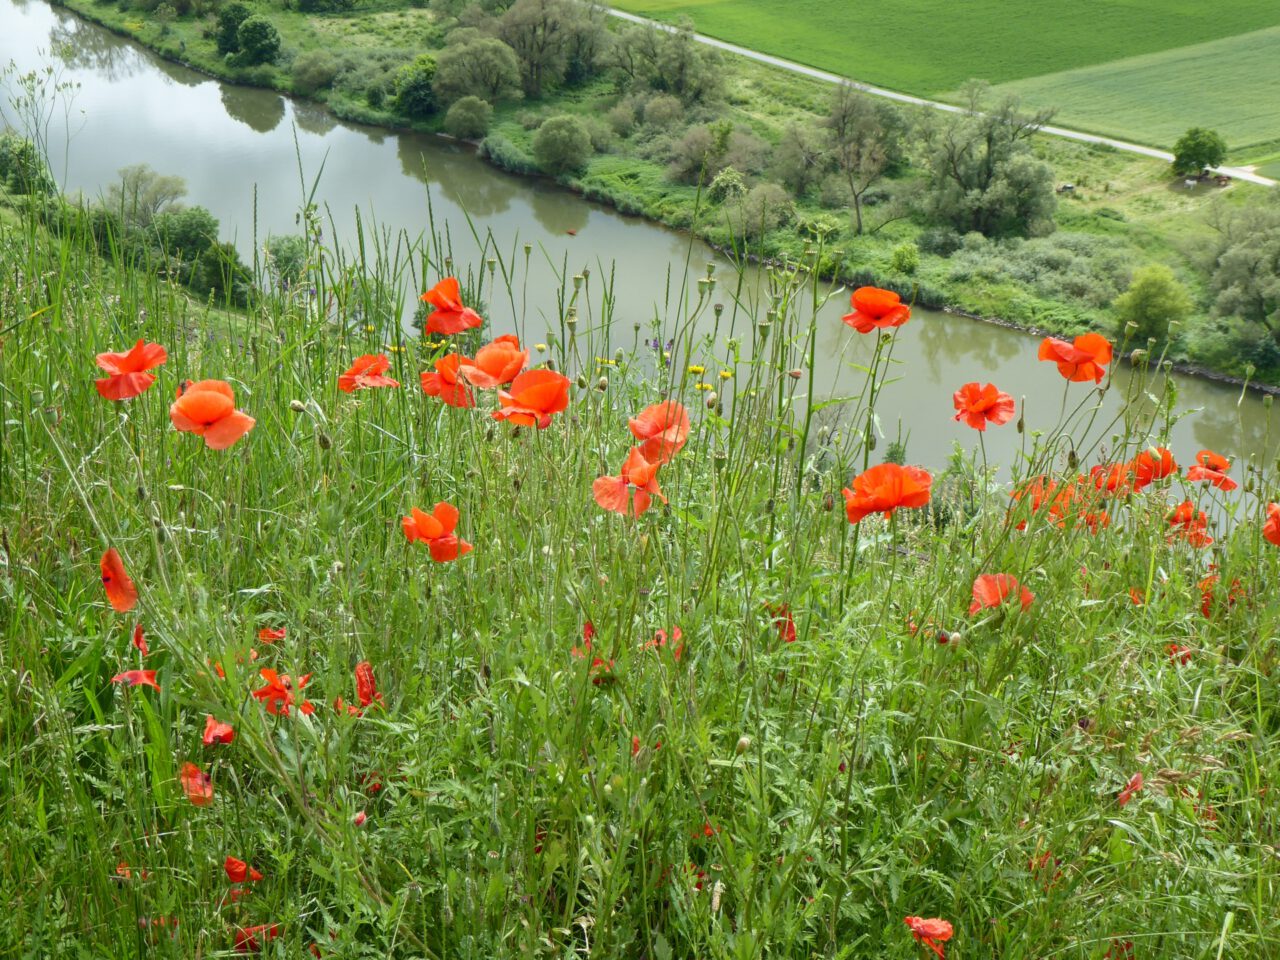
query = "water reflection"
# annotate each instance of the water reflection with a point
(447, 165)
(313, 117)
(256, 109)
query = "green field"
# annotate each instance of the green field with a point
(1231, 85)
(925, 47)
(1111, 67)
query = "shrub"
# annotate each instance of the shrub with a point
(622, 118)
(504, 154)
(258, 40)
(562, 145)
(226, 33)
(905, 258)
(764, 209)
(22, 169)
(485, 67)
(727, 185)
(468, 118)
(186, 233)
(415, 96)
(663, 111)
(940, 241)
(1154, 299)
(313, 71)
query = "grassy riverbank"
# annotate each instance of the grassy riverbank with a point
(736, 726)
(1124, 211)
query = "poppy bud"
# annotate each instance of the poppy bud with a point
(586, 273)
(795, 374)
(297, 406)
(636, 326)
(551, 363)
(768, 506)
(582, 381)
(713, 402)
(1073, 461)
(322, 438)
(359, 819)
(871, 440)
(602, 384)
(619, 355)
(828, 503)
(744, 744)
(142, 492)
(1022, 423)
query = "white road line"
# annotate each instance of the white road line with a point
(1236, 173)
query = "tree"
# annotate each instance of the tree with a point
(227, 31)
(765, 208)
(485, 68)
(415, 95)
(259, 41)
(468, 118)
(1153, 300)
(1245, 270)
(861, 143)
(142, 194)
(668, 60)
(1198, 149)
(186, 233)
(982, 174)
(800, 159)
(538, 32)
(562, 145)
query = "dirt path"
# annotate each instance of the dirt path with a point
(1236, 173)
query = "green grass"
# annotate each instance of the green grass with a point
(928, 47)
(749, 797)
(1230, 85)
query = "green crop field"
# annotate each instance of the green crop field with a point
(1232, 85)
(1142, 70)
(927, 47)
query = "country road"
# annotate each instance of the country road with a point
(1236, 173)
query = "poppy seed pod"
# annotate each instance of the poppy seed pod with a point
(1138, 356)
(718, 309)
(763, 329)
(322, 438)
(602, 384)
(493, 265)
(577, 281)
(619, 355)
(528, 249)
(1266, 401)
(297, 406)
(1130, 328)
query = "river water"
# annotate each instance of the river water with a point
(245, 152)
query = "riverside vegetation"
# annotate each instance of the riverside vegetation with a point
(319, 638)
(959, 211)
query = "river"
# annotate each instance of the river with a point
(246, 152)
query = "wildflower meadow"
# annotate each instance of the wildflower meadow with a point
(510, 635)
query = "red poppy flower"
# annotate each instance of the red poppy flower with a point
(435, 529)
(496, 363)
(1208, 587)
(1271, 527)
(253, 939)
(663, 428)
(977, 405)
(444, 383)
(1042, 490)
(1119, 950)
(217, 732)
(1212, 468)
(991, 590)
(588, 631)
(449, 315)
(1190, 524)
(280, 693)
(1178, 653)
(932, 932)
(208, 409)
(885, 488)
(638, 474)
(876, 309)
(240, 872)
(121, 593)
(137, 678)
(367, 372)
(140, 639)
(196, 784)
(366, 688)
(783, 621)
(128, 375)
(1081, 360)
(1132, 787)
(1152, 465)
(1111, 479)
(535, 396)
(661, 640)
(272, 634)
